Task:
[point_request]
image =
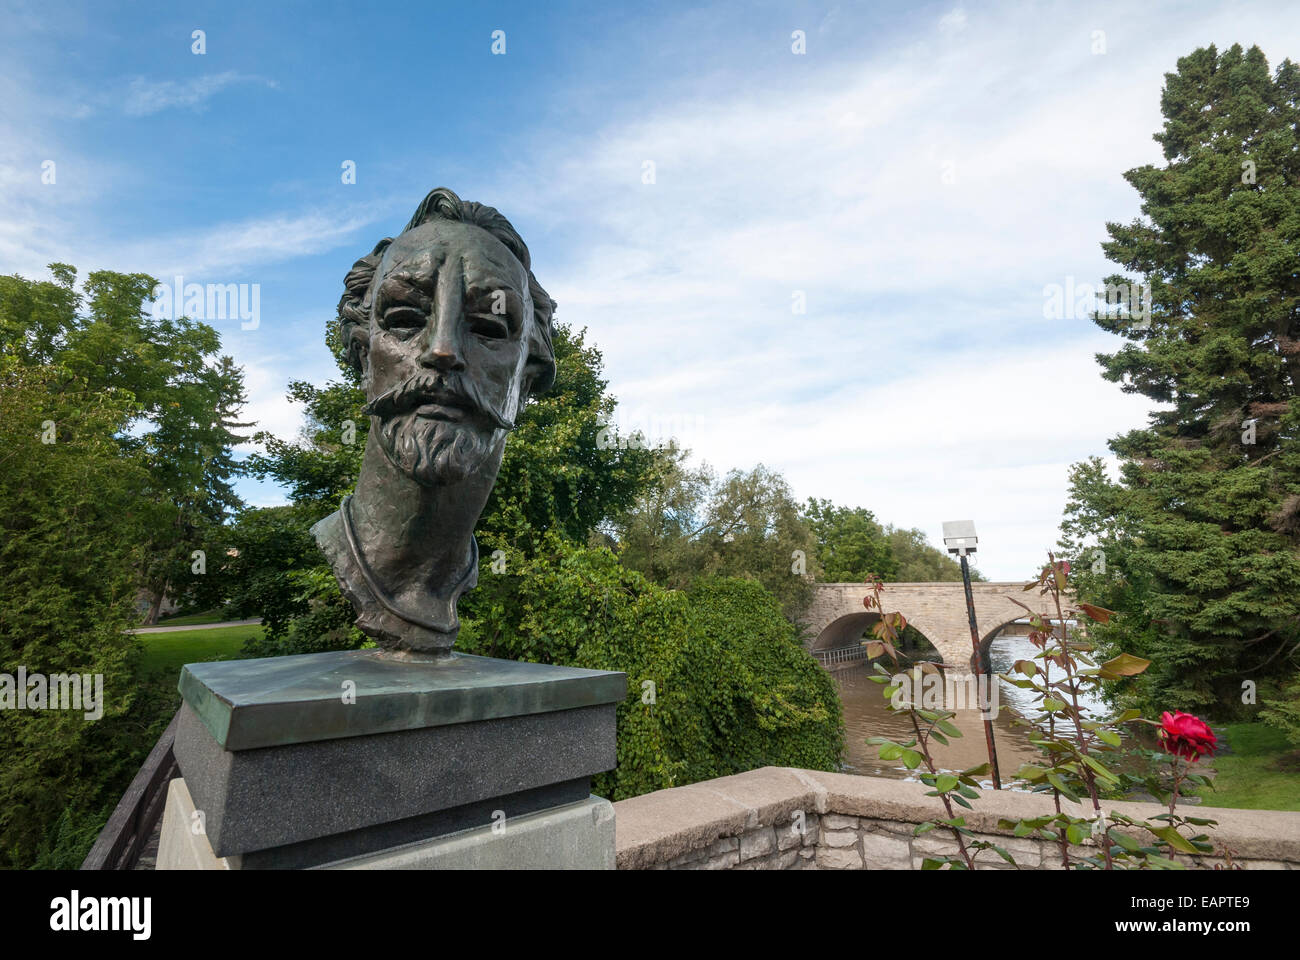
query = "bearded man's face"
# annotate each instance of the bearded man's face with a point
(448, 343)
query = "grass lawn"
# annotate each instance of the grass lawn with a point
(1261, 773)
(207, 616)
(171, 651)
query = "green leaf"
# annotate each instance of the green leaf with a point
(1124, 840)
(1108, 736)
(1099, 768)
(1027, 667)
(1125, 665)
(1175, 839)
(1062, 786)
(1031, 773)
(945, 782)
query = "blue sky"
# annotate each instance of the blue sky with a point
(918, 177)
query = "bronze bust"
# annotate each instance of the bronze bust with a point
(451, 333)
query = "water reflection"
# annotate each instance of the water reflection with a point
(865, 716)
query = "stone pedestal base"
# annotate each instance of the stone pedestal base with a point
(354, 759)
(576, 836)
(183, 844)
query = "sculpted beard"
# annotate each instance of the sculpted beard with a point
(436, 451)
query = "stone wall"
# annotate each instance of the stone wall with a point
(779, 818)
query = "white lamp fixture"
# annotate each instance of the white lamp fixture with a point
(959, 537)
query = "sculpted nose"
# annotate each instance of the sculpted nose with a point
(442, 341)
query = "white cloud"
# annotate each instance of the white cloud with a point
(954, 21)
(923, 381)
(252, 243)
(144, 97)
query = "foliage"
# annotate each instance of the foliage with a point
(69, 556)
(853, 547)
(115, 464)
(186, 399)
(691, 524)
(1198, 537)
(559, 472)
(717, 681)
(69, 840)
(850, 543)
(1284, 712)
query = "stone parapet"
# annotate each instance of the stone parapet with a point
(780, 818)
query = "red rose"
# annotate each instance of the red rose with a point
(1186, 736)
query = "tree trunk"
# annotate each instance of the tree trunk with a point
(155, 606)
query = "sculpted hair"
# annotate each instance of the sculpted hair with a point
(443, 204)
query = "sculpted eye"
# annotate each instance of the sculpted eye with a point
(489, 325)
(403, 317)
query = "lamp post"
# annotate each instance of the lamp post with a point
(959, 537)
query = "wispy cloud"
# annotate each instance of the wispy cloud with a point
(954, 21)
(253, 243)
(144, 97)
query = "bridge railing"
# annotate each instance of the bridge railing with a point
(836, 655)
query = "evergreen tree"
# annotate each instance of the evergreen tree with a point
(1196, 542)
(70, 549)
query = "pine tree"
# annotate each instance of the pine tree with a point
(1197, 543)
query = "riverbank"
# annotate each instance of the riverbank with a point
(1258, 770)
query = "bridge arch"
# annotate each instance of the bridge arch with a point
(840, 641)
(937, 610)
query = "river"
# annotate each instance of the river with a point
(865, 715)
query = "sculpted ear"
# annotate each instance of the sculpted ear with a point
(539, 374)
(358, 348)
(539, 369)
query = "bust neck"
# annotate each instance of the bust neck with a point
(417, 540)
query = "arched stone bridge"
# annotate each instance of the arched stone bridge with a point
(836, 618)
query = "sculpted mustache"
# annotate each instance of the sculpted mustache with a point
(425, 388)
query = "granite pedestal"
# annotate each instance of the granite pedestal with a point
(358, 756)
